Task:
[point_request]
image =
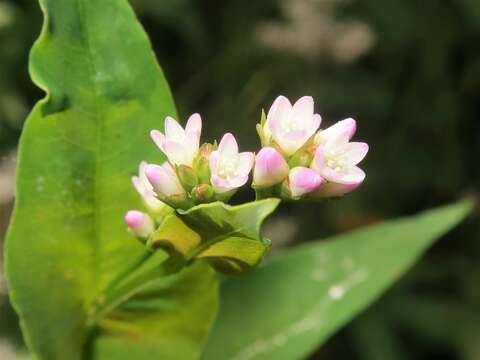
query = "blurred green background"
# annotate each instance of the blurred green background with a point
(407, 70)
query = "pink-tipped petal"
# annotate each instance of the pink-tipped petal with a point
(228, 145)
(140, 224)
(348, 125)
(270, 168)
(164, 180)
(220, 185)
(303, 181)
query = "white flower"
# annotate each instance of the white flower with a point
(179, 145)
(336, 159)
(164, 180)
(145, 189)
(229, 168)
(291, 126)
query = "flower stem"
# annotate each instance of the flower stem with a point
(130, 286)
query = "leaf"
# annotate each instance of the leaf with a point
(67, 241)
(287, 308)
(157, 323)
(226, 236)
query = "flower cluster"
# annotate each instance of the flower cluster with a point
(297, 159)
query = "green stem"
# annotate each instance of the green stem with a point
(131, 286)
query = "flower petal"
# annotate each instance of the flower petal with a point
(220, 184)
(214, 162)
(348, 125)
(303, 180)
(354, 175)
(176, 153)
(270, 168)
(158, 138)
(173, 130)
(303, 109)
(194, 124)
(355, 152)
(245, 162)
(228, 146)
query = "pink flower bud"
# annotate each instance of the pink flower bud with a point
(303, 180)
(144, 188)
(140, 224)
(164, 180)
(270, 168)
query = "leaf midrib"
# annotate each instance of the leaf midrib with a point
(97, 251)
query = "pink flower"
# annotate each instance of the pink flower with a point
(228, 167)
(302, 181)
(164, 180)
(145, 189)
(270, 168)
(179, 145)
(336, 159)
(291, 126)
(140, 224)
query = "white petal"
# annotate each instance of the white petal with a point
(348, 125)
(158, 138)
(228, 146)
(176, 153)
(354, 175)
(303, 109)
(173, 130)
(355, 152)
(194, 124)
(245, 162)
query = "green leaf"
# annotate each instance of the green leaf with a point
(158, 322)
(67, 242)
(226, 236)
(287, 308)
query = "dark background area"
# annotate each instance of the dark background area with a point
(407, 70)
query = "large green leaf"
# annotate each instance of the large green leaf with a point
(290, 306)
(67, 241)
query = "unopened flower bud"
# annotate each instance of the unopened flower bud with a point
(301, 158)
(187, 177)
(201, 165)
(164, 180)
(139, 223)
(203, 193)
(302, 181)
(270, 168)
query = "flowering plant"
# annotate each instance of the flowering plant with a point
(297, 160)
